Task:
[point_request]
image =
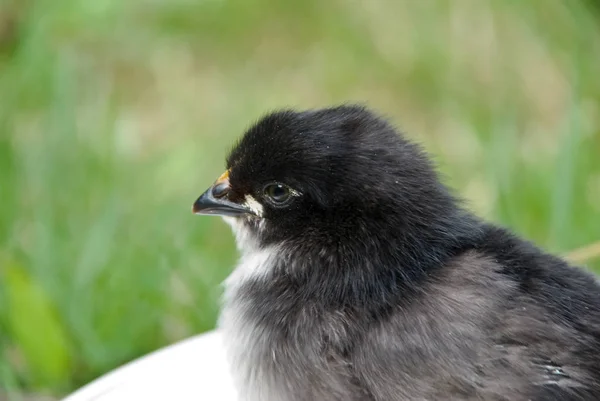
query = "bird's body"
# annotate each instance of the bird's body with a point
(362, 279)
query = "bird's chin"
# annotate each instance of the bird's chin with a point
(246, 229)
(231, 221)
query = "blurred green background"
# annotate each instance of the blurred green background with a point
(115, 115)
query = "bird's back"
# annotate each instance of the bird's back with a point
(500, 321)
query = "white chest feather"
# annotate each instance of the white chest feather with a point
(243, 340)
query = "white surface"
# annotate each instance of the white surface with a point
(194, 369)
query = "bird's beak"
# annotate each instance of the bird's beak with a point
(216, 202)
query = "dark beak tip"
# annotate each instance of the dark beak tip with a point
(200, 211)
(203, 203)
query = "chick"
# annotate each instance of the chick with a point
(362, 278)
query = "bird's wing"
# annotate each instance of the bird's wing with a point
(194, 369)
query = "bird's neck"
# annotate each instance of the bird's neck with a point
(363, 267)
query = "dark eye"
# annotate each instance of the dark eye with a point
(278, 193)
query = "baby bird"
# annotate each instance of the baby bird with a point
(362, 278)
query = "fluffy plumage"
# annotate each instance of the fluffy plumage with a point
(370, 281)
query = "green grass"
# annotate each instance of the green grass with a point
(115, 115)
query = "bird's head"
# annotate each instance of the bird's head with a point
(332, 176)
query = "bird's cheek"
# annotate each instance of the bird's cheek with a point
(255, 206)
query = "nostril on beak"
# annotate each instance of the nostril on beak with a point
(221, 189)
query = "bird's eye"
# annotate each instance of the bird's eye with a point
(278, 193)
